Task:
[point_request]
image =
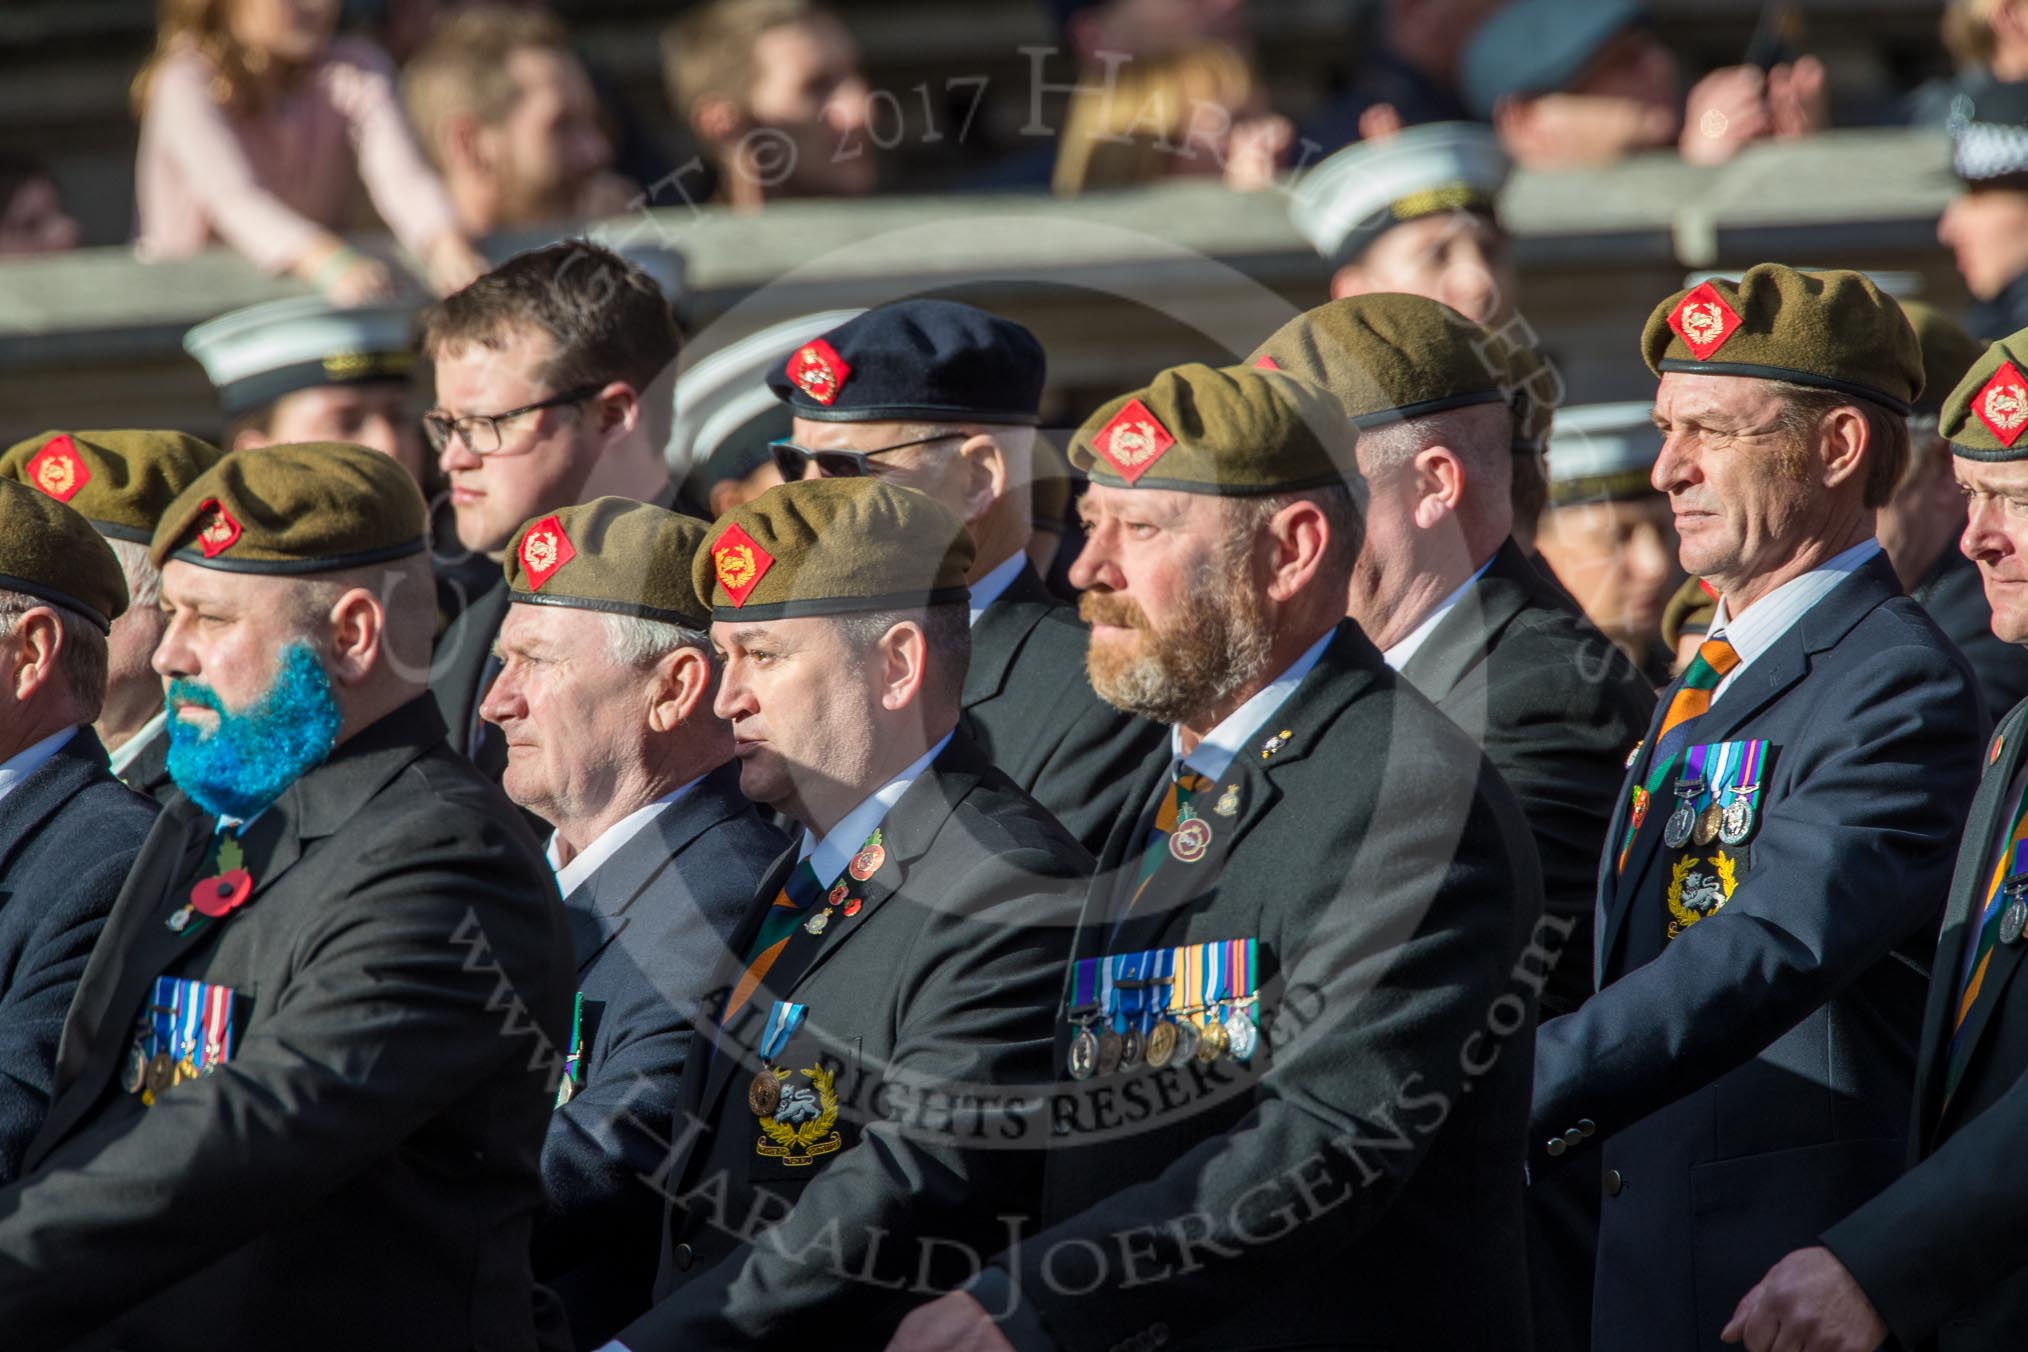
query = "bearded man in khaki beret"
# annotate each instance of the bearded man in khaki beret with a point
(322, 1029)
(1783, 842)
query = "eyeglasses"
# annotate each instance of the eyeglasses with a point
(481, 431)
(792, 459)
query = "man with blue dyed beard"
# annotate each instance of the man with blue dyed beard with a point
(313, 1052)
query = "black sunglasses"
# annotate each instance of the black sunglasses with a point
(792, 460)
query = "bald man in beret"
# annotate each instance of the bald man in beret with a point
(68, 830)
(1938, 1260)
(303, 1085)
(121, 481)
(864, 1118)
(1782, 846)
(604, 707)
(1294, 1041)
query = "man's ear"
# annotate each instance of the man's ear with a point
(1298, 537)
(715, 118)
(985, 464)
(461, 143)
(682, 687)
(617, 408)
(358, 632)
(40, 634)
(1349, 281)
(1439, 485)
(1846, 444)
(902, 660)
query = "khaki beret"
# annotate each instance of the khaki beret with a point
(832, 547)
(1947, 352)
(1690, 611)
(610, 554)
(312, 507)
(1389, 357)
(1986, 415)
(120, 481)
(51, 553)
(1829, 330)
(1235, 431)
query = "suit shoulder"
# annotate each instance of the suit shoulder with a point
(439, 801)
(998, 818)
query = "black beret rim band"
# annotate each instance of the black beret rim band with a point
(299, 567)
(119, 531)
(629, 608)
(914, 413)
(1403, 412)
(1754, 372)
(42, 592)
(239, 397)
(841, 605)
(1965, 452)
(1108, 479)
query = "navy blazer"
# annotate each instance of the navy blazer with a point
(1943, 1253)
(68, 834)
(650, 928)
(1749, 1080)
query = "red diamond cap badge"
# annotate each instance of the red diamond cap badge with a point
(57, 471)
(1266, 363)
(544, 549)
(819, 371)
(2002, 404)
(741, 564)
(216, 530)
(1133, 440)
(1704, 321)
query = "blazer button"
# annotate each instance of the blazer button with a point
(1588, 1127)
(1614, 1182)
(1555, 1147)
(1573, 1138)
(684, 1257)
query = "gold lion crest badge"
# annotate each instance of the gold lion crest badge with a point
(805, 1122)
(1699, 889)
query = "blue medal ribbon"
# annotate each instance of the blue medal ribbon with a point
(783, 1021)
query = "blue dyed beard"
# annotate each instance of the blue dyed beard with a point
(252, 756)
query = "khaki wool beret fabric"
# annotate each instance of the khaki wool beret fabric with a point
(1234, 431)
(310, 507)
(51, 553)
(1389, 357)
(1829, 330)
(121, 481)
(1947, 353)
(1690, 611)
(1986, 415)
(832, 547)
(610, 554)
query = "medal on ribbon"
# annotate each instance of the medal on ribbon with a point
(1682, 823)
(764, 1095)
(1742, 810)
(1082, 1060)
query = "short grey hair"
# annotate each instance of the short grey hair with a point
(83, 662)
(947, 633)
(144, 580)
(635, 641)
(1482, 435)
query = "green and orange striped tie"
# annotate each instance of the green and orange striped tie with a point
(1986, 937)
(1716, 657)
(776, 928)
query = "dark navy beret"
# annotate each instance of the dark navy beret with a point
(917, 361)
(1533, 47)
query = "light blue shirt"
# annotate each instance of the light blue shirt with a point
(1397, 656)
(988, 588)
(29, 759)
(1767, 619)
(829, 856)
(1214, 755)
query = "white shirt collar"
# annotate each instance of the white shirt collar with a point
(1215, 753)
(1397, 656)
(131, 748)
(987, 589)
(588, 860)
(28, 760)
(1767, 619)
(829, 856)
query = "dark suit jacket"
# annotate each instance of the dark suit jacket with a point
(1956, 599)
(930, 1009)
(1749, 1081)
(1557, 708)
(363, 1171)
(1029, 704)
(1358, 1183)
(148, 772)
(68, 834)
(650, 928)
(1943, 1252)
(455, 672)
